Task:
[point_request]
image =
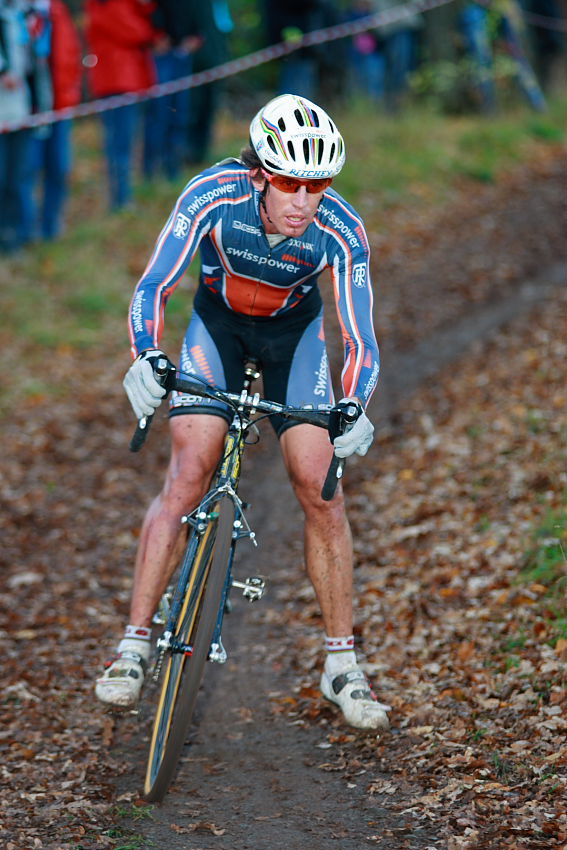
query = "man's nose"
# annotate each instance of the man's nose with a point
(300, 198)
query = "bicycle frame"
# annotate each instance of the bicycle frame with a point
(226, 483)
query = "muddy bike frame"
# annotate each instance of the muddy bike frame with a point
(192, 614)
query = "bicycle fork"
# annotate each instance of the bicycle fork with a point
(253, 587)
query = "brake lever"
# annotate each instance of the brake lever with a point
(165, 375)
(334, 475)
(344, 417)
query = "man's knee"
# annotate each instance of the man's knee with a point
(308, 488)
(196, 448)
(188, 477)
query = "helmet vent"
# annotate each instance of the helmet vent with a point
(281, 125)
(272, 144)
(315, 118)
(291, 150)
(321, 150)
(332, 154)
(299, 117)
(306, 149)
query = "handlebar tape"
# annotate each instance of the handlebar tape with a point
(140, 434)
(334, 474)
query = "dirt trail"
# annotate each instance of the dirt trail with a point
(404, 372)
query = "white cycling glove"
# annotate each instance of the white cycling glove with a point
(358, 436)
(143, 390)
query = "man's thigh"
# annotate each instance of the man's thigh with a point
(197, 441)
(213, 353)
(307, 453)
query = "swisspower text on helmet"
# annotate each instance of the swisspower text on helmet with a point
(293, 136)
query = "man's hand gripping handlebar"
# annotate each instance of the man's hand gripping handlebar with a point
(338, 421)
(164, 373)
(342, 419)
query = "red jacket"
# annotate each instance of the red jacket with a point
(119, 35)
(65, 57)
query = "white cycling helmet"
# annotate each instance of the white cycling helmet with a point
(295, 137)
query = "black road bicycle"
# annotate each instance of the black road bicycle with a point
(191, 613)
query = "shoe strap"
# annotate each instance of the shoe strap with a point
(343, 679)
(128, 655)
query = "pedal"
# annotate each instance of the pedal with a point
(217, 653)
(252, 589)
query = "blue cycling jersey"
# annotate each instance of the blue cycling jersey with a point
(218, 212)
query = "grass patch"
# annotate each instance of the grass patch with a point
(546, 560)
(419, 154)
(137, 813)
(545, 564)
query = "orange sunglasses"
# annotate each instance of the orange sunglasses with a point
(292, 184)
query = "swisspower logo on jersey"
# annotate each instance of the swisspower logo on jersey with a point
(207, 197)
(372, 381)
(136, 313)
(339, 225)
(262, 261)
(322, 377)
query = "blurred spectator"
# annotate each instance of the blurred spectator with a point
(120, 36)
(382, 58)
(167, 118)
(480, 33)
(366, 58)
(547, 40)
(288, 20)
(514, 36)
(474, 24)
(398, 44)
(51, 146)
(214, 23)
(24, 88)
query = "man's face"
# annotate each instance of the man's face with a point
(288, 213)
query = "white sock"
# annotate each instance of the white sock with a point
(340, 654)
(136, 639)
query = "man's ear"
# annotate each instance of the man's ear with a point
(258, 181)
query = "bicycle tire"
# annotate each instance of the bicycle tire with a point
(183, 675)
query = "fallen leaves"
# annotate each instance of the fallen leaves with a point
(199, 826)
(472, 657)
(472, 661)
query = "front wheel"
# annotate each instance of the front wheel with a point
(195, 627)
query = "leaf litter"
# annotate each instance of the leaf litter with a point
(471, 658)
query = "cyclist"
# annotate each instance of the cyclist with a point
(266, 224)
